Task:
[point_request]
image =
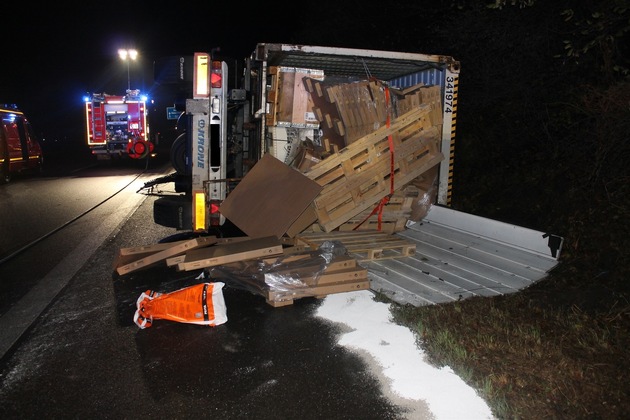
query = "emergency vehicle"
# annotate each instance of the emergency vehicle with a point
(20, 149)
(116, 126)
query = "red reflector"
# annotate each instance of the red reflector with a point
(215, 79)
(139, 148)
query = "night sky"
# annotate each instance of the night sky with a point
(54, 54)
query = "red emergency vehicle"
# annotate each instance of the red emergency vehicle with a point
(117, 126)
(20, 149)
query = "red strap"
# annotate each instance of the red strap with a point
(379, 207)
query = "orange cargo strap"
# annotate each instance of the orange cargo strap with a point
(379, 207)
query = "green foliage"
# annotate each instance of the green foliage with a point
(599, 32)
(500, 4)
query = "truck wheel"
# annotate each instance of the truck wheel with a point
(178, 154)
(175, 212)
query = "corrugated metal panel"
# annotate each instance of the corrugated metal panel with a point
(429, 77)
(460, 255)
(384, 65)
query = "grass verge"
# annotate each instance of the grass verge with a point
(529, 356)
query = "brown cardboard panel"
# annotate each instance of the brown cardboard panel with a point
(269, 199)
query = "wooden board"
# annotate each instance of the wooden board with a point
(284, 298)
(173, 261)
(130, 254)
(237, 251)
(297, 275)
(177, 248)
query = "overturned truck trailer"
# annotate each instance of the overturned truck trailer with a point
(368, 136)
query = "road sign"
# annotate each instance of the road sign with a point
(172, 113)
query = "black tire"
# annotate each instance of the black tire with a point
(174, 212)
(178, 154)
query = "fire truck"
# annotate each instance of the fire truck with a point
(116, 126)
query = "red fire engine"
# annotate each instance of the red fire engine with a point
(117, 126)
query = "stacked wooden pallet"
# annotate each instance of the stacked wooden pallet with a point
(347, 111)
(289, 102)
(391, 217)
(306, 276)
(373, 167)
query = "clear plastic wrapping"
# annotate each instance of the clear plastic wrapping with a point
(285, 274)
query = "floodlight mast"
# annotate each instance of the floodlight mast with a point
(128, 55)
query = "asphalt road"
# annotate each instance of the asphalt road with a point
(84, 357)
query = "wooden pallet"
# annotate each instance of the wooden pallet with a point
(361, 107)
(358, 176)
(327, 115)
(310, 275)
(282, 279)
(393, 215)
(289, 103)
(362, 245)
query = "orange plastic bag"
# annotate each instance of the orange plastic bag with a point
(201, 304)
